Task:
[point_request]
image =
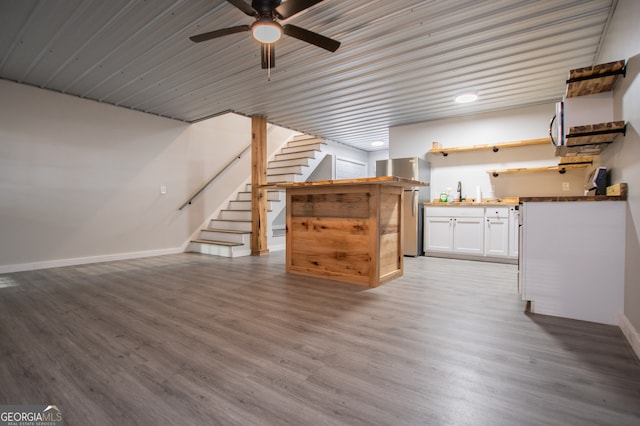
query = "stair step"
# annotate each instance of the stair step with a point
(301, 161)
(305, 141)
(273, 196)
(295, 155)
(228, 236)
(245, 204)
(289, 177)
(235, 215)
(303, 148)
(284, 170)
(218, 249)
(233, 225)
(279, 232)
(220, 243)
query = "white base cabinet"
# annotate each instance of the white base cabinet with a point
(454, 230)
(468, 231)
(438, 234)
(496, 234)
(464, 235)
(468, 235)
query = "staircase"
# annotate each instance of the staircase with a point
(229, 234)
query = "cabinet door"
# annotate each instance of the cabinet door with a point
(438, 234)
(468, 235)
(497, 237)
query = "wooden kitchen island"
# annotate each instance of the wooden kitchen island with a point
(346, 230)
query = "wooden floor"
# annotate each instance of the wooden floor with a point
(197, 340)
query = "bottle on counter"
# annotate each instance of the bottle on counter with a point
(443, 197)
(450, 195)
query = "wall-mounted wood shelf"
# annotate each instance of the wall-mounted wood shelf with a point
(596, 79)
(437, 149)
(591, 139)
(561, 168)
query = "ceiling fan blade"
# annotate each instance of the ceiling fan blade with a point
(288, 8)
(219, 33)
(310, 37)
(268, 53)
(244, 7)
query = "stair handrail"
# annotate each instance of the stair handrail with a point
(226, 166)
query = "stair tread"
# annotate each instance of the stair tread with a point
(301, 156)
(312, 142)
(239, 210)
(226, 231)
(285, 167)
(220, 243)
(232, 220)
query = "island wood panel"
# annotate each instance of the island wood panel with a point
(391, 250)
(349, 233)
(332, 247)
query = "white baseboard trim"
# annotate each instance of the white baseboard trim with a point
(32, 266)
(630, 333)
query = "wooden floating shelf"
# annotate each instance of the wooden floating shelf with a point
(595, 133)
(591, 139)
(561, 168)
(596, 79)
(493, 147)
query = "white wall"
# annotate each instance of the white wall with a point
(470, 168)
(80, 180)
(374, 156)
(623, 42)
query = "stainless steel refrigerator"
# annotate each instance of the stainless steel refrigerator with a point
(417, 169)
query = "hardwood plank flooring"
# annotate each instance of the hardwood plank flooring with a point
(192, 339)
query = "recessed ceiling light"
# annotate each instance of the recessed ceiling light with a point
(377, 143)
(465, 98)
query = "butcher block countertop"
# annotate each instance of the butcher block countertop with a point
(384, 180)
(621, 197)
(493, 202)
(574, 198)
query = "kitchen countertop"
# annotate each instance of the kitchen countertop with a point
(621, 197)
(513, 201)
(574, 198)
(382, 180)
(494, 202)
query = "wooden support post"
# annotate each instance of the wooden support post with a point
(258, 178)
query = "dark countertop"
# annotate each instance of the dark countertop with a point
(621, 197)
(575, 198)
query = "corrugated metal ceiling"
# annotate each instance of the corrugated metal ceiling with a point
(401, 61)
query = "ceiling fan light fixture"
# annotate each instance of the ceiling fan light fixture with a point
(266, 31)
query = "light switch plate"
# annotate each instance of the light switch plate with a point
(163, 189)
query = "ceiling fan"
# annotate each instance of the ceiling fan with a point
(266, 28)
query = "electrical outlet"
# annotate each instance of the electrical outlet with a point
(163, 189)
(566, 186)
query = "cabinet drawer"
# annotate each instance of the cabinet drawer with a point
(454, 211)
(497, 212)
